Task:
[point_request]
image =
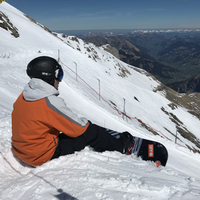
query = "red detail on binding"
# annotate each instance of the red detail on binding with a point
(157, 163)
(128, 152)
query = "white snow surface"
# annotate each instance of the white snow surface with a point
(89, 175)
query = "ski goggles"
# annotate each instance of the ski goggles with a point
(59, 73)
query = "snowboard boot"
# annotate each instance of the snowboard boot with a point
(127, 141)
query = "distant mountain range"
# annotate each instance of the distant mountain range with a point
(117, 32)
(173, 57)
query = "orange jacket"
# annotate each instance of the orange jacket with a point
(37, 119)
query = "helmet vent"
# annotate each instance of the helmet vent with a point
(46, 74)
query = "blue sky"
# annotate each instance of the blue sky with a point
(112, 14)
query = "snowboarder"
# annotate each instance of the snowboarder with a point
(44, 128)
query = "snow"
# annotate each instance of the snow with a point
(88, 174)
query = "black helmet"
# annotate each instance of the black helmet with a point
(45, 68)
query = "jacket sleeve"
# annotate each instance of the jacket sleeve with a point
(58, 105)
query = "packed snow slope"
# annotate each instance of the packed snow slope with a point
(123, 89)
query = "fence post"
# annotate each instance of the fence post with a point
(176, 137)
(99, 89)
(58, 55)
(124, 111)
(76, 70)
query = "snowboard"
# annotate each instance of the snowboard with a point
(149, 150)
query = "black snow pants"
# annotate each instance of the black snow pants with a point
(95, 136)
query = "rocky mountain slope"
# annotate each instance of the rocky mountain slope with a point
(133, 55)
(190, 102)
(170, 56)
(191, 85)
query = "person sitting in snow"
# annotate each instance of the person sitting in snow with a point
(44, 128)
